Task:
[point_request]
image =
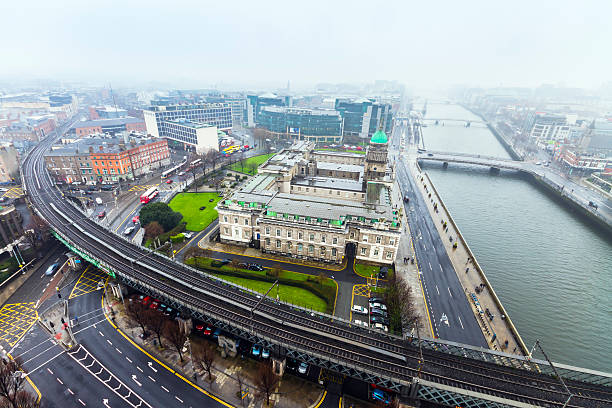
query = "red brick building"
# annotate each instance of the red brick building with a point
(111, 126)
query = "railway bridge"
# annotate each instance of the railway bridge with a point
(414, 369)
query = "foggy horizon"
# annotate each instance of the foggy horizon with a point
(245, 44)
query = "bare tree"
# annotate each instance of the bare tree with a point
(156, 322)
(12, 381)
(213, 158)
(266, 381)
(25, 399)
(242, 159)
(275, 271)
(191, 252)
(37, 230)
(174, 334)
(235, 264)
(204, 357)
(139, 313)
(403, 314)
(154, 229)
(321, 278)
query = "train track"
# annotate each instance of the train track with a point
(378, 354)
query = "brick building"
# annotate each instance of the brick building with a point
(111, 126)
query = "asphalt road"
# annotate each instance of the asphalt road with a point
(443, 291)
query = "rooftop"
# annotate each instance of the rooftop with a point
(329, 182)
(351, 168)
(107, 122)
(190, 124)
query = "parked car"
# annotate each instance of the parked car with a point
(378, 319)
(255, 267)
(207, 331)
(102, 214)
(359, 309)
(361, 323)
(378, 306)
(303, 368)
(265, 353)
(169, 181)
(136, 219)
(256, 350)
(380, 326)
(128, 230)
(188, 235)
(146, 300)
(216, 333)
(378, 312)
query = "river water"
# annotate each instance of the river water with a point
(551, 270)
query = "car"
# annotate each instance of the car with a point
(375, 299)
(216, 333)
(255, 267)
(265, 353)
(106, 188)
(378, 312)
(538, 163)
(430, 154)
(102, 214)
(359, 309)
(146, 300)
(380, 326)
(154, 305)
(202, 208)
(199, 327)
(406, 198)
(182, 173)
(256, 350)
(128, 230)
(169, 181)
(378, 306)
(188, 235)
(303, 368)
(378, 319)
(207, 331)
(219, 263)
(136, 219)
(52, 269)
(379, 395)
(361, 323)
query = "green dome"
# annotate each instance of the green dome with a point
(379, 137)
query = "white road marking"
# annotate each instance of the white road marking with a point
(440, 268)
(449, 292)
(46, 362)
(430, 268)
(151, 366)
(128, 359)
(139, 369)
(59, 381)
(101, 334)
(178, 399)
(437, 290)
(109, 342)
(165, 389)
(82, 403)
(136, 380)
(70, 391)
(151, 378)
(118, 351)
(460, 322)
(49, 370)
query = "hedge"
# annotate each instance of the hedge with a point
(327, 291)
(177, 238)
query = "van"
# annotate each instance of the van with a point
(98, 201)
(51, 269)
(128, 230)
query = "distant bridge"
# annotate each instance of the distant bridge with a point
(455, 120)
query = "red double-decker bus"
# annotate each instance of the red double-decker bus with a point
(149, 195)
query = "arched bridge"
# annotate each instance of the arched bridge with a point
(431, 370)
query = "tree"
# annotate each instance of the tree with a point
(321, 278)
(251, 167)
(235, 265)
(139, 313)
(160, 212)
(242, 159)
(153, 229)
(212, 157)
(216, 181)
(266, 381)
(174, 334)
(275, 271)
(241, 380)
(403, 313)
(37, 230)
(204, 357)
(12, 381)
(156, 322)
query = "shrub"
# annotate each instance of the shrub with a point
(177, 238)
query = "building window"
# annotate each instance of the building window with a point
(235, 220)
(378, 239)
(300, 235)
(311, 237)
(278, 243)
(267, 230)
(299, 247)
(365, 238)
(278, 232)
(352, 235)
(288, 233)
(245, 234)
(310, 249)
(363, 251)
(334, 240)
(389, 255)
(323, 238)
(376, 252)
(391, 241)
(322, 251)
(267, 242)
(226, 231)
(246, 221)
(334, 252)
(289, 246)
(225, 218)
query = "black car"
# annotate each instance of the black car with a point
(374, 299)
(383, 272)
(378, 312)
(220, 263)
(255, 267)
(378, 319)
(106, 187)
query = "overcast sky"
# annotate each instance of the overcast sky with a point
(423, 44)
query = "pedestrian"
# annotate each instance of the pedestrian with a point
(467, 270)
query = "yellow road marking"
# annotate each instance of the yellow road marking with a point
(30, 382)
(321, 400)
(15, 320)
(220, 401)
(126, 217)
(88, 282)
(422, 291)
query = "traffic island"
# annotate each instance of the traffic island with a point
(56, 321)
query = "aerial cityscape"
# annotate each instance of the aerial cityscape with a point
(305, 205)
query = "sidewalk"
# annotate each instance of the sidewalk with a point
(494, 325)
(291, 392)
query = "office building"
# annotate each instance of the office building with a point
(320, 126)
(110, 126)
(161, 118)
(236, 103)
(362, 117)
(317, 205)
(200, 137)
(255, 103)
(550, 128)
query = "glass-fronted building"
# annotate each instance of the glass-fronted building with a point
(363, 117)
(215, 114)
(255, 103)
(317, 125)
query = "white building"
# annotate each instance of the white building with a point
(201, 136)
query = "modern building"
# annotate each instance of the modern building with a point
(200, 137)
(255, 103)
(363, 117)
(110, 126)
(9, 163)
(319, 206)
(106, 160)
(11, 227)
(320, 126)
(550, 128)
(236, 103)
(161, 119)
(106, 112)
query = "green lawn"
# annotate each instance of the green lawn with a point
(291, 294)
(189, 205)
(366, 271)
(342, 150)
(258, 160)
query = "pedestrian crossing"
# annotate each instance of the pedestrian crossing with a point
(160, 187)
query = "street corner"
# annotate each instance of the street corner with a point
(88, 282)
(15, 320)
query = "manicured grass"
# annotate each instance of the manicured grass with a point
(291, 294)
(258, 160)
(343, 150)
(365, 271)
(189, 205)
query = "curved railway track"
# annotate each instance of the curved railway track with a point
(381, 355)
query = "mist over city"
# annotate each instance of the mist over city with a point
(321, 204)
